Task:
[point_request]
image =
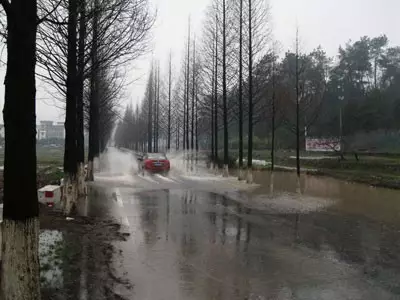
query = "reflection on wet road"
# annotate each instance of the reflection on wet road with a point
(198, 237)
(201, 245)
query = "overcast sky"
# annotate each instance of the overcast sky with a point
(328, 23)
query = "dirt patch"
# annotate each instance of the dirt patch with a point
(77, 257)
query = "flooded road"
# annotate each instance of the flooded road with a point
(199, 236)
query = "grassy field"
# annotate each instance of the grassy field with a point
(376, 170)
(373, 169)
(45, 155)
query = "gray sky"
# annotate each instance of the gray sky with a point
(328, 23)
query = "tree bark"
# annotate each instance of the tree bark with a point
(197, 124)
(187, 89)
(241, 91)
(193, 82)
(156, 107)
(273, 118)
(212, 157)
(225, 112)
(79, 115)
(94, 113)
(216, 94)
(71, 151)
(250, 134)
(150, 115)
(20, 227)
(297, 108)
(169, 103)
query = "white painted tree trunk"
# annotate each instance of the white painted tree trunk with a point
(20, 261)
(89, 175)
(226, 171)
(271, 184)
(249, 176)
(241, 175)
(298, 185)
(82, 187)
(216, 169)
(70, 194)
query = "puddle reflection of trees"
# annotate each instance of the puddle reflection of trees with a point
(77, 263)
(221, 241)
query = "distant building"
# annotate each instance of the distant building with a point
(50, 130)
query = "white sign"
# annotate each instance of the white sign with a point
(323, 144)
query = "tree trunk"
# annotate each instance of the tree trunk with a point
(150, 116)
(94, 113)
(193, 82)
(184, 118)
(197, 127)
(241, 177)
(250, 134)
(297, 108)
(375, 72)
(177, 137)
(187, 89)
(225, 112)
(71, 151)
(273, 118)
(20, 227)
(169, 104)
(80, 117)
(156, 107)
(216, 95)
(212, 162)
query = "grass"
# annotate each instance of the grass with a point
(51, 156)
(380, 169)
(45, 155)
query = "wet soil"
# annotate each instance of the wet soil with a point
(77, 257)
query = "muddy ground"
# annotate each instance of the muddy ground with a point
(78, 256)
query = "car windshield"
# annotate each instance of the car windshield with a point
(156, 156)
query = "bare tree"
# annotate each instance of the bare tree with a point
(111, 33)
(169, 100)
(250, 129)
(224, 90)
(193, 96)
(70, 149)
(297, 106)
(20, 226)
(240, 96)
(187, 89)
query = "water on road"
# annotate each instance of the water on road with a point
(196, 235)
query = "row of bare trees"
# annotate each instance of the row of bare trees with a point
(207, 82)
(82, 48)
(230, 91)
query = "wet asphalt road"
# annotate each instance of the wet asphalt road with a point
(198, 237)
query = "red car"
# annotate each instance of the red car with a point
(155, 162)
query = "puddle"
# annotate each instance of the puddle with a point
(50, 256)
(77, 256)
